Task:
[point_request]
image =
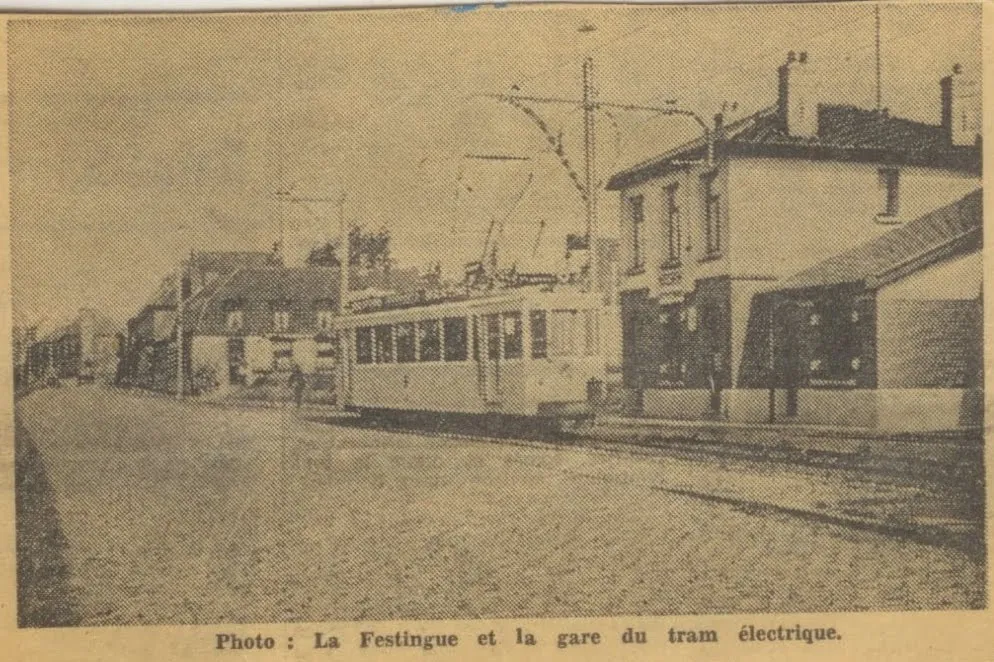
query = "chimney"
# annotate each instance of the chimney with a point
(960, 107)
(798, 96)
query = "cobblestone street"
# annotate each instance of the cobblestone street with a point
(175, 513)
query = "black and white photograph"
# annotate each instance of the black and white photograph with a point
(496, 312)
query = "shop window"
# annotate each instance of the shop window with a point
(835, 342)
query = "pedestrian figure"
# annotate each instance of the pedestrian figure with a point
(297, 383)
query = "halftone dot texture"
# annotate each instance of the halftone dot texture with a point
(136, 140)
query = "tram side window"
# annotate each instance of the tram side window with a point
(364, 344)
(383, 336)
(561, 340)
(591, 328)
(539, 335)
(512, 335)
(428, 338)
(455, 338)
(405, 342)
(493, 336)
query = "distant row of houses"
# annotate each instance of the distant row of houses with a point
(242, 317)
(85, 348)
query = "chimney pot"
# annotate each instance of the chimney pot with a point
(803, 57)
(791, 56)
(957, 68)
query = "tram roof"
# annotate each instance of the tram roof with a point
(412, 305)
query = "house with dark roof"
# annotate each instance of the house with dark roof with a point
(707, 226)
(262, 320)
(149, 355)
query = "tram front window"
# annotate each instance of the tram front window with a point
(512, 335)
(454, 330)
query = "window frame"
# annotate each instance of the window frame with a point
(636, 218)
(890, 182)
(673, 225)
(712, 217)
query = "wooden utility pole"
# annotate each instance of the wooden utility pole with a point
(590, 169)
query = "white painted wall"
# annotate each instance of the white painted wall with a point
(787, 215)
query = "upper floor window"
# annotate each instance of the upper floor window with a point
(890, 180)
(672, 212)
(281, 320)
(712, 218)
(636, 218)
(235, 320)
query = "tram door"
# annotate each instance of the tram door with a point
(489, 332)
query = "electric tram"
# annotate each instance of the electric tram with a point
(526, 351)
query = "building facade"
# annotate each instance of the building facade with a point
(85, 349)
(707, 228)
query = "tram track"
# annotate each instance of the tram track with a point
(965, 539)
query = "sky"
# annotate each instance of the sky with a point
(134, 140)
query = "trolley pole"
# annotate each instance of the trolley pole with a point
(590, 163)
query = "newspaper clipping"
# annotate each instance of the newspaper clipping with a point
(600, 332)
